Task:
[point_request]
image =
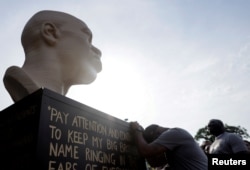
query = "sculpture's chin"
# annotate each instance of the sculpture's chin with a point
(91, 75)
(88, 78)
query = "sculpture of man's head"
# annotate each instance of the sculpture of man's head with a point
(58, 54)
(68, 40)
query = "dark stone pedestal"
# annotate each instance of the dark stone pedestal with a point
(47, 131)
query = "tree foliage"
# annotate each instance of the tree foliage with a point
(204, 134)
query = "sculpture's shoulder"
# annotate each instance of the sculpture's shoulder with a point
(18, 83)
(12, 71)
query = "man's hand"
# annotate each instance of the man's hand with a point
(135, 126)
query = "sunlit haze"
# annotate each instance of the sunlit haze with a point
(177, 63)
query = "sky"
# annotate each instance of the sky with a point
(176, 63)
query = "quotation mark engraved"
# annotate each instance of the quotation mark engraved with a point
(49, 108)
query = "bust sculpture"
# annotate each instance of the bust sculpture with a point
(58, 54)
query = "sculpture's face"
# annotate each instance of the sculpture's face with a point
(81, 59)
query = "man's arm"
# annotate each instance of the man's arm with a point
(237, 144)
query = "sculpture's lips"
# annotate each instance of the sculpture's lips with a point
(97, 56)
(99, 63)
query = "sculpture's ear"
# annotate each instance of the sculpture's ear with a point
(50, 33)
